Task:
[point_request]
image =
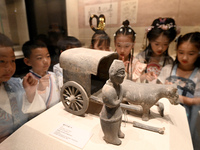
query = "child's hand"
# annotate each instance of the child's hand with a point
(167, 82)
(30, 85)
(43, 83)
(150, 76)
(189, 101)
(29, 81)
(125, 64)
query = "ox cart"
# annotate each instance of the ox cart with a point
(85, 71)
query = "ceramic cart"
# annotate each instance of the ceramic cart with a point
(85, 71)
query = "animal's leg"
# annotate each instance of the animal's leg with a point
(160, 108)
(145, 116)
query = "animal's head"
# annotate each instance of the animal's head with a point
(172, 94)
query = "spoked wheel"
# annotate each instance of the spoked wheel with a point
(74, 98)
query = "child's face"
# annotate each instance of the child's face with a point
(39, 60)
(160, 45)
(187, 54)
(123, 45)
(7, 63)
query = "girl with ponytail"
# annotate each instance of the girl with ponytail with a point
(124, 39)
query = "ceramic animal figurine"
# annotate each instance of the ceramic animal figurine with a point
(112, 96)
(147, 95)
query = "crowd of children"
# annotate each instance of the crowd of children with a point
(25, 98)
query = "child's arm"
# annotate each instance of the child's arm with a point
(189, 101)
(33, 101)
(150, 76)
(30, 86)
(137, 70)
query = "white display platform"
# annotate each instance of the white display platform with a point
(35, 134)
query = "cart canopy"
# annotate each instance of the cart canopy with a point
(84, 60)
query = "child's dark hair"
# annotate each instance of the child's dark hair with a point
(165, 26)
(30, 45)
(193, 38)
(125, 29)
(5, 41)
(67, 42)
(101, 37)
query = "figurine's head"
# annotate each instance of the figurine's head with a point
(117, 71)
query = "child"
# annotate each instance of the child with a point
(47, 91)
(11, 91)
(124, 39)
(161, 33)
(100, 39)
(185, 73)
(64, 44)
(68, 42)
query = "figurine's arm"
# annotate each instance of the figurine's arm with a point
(111, 102)
(110, 97)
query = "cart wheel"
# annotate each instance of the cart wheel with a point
(74, 98)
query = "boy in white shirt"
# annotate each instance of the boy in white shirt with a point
(11, 90)
(46, 93)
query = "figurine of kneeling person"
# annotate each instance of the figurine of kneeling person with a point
(111, 113)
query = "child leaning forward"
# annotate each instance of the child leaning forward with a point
(46, 93)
